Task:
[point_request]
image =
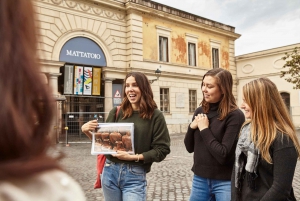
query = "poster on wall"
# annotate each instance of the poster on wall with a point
(78, 80)
(96, 81)
(68, 79)
(87, 80)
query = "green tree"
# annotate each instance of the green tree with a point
(292, 64)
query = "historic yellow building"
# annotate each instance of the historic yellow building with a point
(87, 47)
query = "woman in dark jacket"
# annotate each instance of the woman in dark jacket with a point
(212, 136)
(267, 149)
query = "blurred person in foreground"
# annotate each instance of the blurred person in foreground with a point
(212, 136)
(27, 172)
(268, 147)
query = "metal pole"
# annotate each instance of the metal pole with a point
(66, 129)
(67, 144)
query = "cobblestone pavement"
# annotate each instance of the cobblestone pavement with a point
(170, 179)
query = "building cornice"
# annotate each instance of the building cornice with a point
(102, 8)
(50, 63)
(266, 53)
(258, 76)
(96, 8)
(176, 15)
(149, 72)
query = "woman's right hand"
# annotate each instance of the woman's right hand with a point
(200, 121)
(89, 126)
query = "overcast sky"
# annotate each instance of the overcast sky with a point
(263, 24)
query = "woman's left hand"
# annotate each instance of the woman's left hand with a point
(123, 155)
(202, 121)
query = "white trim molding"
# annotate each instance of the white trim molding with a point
(190, 38)
(164, 32)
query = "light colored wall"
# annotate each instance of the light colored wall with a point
(62, 20)
(178, 118)
(177, 75)
(128, 38)
(178, 54)
(268, 63)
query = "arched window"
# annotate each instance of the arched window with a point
(286, 99)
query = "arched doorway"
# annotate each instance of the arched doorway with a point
(286, 99)
(81, 83)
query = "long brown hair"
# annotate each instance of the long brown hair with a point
(26, 104)
(147, 104)
(268, 115)
(224, 82)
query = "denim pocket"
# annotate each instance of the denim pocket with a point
(137, 170)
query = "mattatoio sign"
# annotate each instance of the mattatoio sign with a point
(84, 51)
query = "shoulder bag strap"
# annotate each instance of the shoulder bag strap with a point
(117, 112)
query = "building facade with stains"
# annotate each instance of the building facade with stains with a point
(87, 48)
(268, 63)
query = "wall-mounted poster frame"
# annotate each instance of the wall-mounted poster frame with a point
(81, 80)
(68, 79)
(78, 80)
(87, 80)
(96, 81)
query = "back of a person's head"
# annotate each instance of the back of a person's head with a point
(26, 104)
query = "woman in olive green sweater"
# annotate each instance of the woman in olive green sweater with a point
(124, 175)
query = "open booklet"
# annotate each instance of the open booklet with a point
(110, 137)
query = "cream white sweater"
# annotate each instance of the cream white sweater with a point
(54, 185)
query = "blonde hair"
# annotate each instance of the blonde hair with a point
(269, 115)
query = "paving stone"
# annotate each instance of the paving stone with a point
(169, 180)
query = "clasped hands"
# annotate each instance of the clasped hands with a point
(201, 121)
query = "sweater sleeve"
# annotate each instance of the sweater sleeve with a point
(284, 164)
(223, 149)
(160, 145)
(189, 136)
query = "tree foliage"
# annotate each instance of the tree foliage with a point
(292, 64)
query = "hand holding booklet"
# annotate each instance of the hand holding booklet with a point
(112, 137)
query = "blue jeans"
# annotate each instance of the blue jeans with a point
(210, 189)
(123, 182)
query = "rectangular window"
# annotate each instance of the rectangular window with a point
(192, 100)
(164, 100)
(215, 57)
(163, 49)
(192, 54)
